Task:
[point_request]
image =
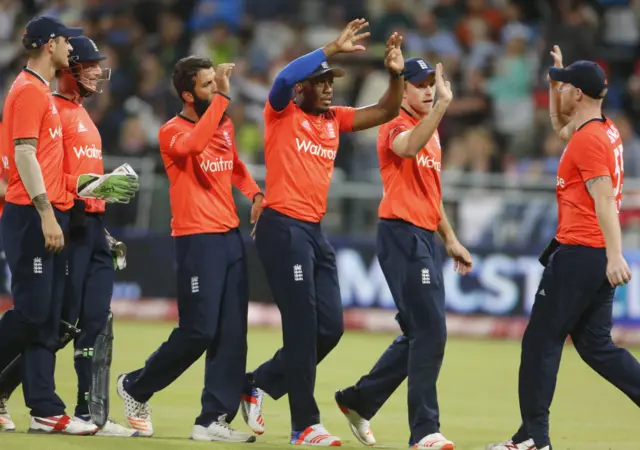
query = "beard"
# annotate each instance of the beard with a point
(200, 105)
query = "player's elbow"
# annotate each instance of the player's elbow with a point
(388, 112)
(411, 150)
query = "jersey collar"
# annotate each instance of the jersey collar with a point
(407, 115)
(602, 119)
(186, 118)
(37, 75)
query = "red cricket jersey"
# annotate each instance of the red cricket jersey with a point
(300, 150)
(411, 186)
(201, 183)
(29, 112)
(82, 147)
(594, 150)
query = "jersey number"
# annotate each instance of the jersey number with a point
(619, 173)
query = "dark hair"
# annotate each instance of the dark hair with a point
(185, 71)
(34, 53)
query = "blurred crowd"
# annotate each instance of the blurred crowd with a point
(495, 53)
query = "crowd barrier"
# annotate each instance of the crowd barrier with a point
(493, 301)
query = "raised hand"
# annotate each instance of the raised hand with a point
(393, 59)
(556, 54)
(223, 73)
(347, 41)
(443, 87)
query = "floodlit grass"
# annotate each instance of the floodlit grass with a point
(477, 392)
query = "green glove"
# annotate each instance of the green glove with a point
(118, 252)
(119, 186)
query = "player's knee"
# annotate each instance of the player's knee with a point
(591, 349)
(330, 334)
(201, 338)
(35, 317)
(433, 340)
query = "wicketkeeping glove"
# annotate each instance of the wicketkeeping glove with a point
(119, 186)
(118, 252)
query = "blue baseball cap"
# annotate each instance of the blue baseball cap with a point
(42, 29)
(324, 68)
(587, 76)
(84, 50)
(416, 70)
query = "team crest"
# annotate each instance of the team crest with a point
(227, 138)
(330, 130)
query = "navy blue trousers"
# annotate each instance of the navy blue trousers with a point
(409, 258)
(574, 298)
(213, 301)
(88, 293)
(31, 327)
(300, 265)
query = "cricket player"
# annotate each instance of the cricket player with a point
(202, 163)
(92, 250)
(6, 423)
(411, 214)
(301, 141)
(34, 224)
(584, 262)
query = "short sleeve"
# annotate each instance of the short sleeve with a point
(344, 115)
(590, 156)
(271, 114)
(394, 130)
(29, 108)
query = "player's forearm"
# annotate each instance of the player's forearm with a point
(31, 174)
(196, 141)
(391, 100)
(242, 179)
(420, 135)
(558, 120)
(297, 70)
(445, 230)
(607, 214)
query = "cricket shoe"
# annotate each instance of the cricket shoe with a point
(137, 414)
(359, 425)
(510, 445)
(220, 431)
(434, 441)
(6, 424)
(62, 424)
(111, 428)
(315, 435)
(251, 407)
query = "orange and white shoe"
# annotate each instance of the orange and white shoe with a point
(6, 423)
(510, 445)
(315, 435)
(360, 426)
(434, 441)
(251, 407)
(62, 424)
(138, 414)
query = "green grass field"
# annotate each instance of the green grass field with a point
(477, 393)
